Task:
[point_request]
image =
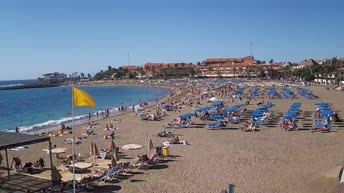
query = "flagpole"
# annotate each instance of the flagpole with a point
(73, 139)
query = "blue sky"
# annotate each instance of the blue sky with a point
(40, 36)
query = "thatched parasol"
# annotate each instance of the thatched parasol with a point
(91, 149)
(56, 176)
(96, 151)
(113, 146)
(151, 146)
(113, 161)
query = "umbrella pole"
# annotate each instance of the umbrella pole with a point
(51, 161)
(8, 167)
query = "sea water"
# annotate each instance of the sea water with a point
(42, 108)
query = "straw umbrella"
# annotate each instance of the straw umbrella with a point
(91, 149)
(96, 152)
(56, 176)
(113, 161)
(151, 146)
(131, 147)
(113, 146)
(1, 158)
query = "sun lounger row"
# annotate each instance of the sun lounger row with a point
(288, 120)
(306, 93)
(287, 93)
(261, 115)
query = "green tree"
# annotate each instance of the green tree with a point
(271, 61)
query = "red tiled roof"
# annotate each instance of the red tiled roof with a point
(224, 60)
(130, 67)
(229, 65)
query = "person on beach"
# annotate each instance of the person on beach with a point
(62, 129)
(89, 116)
(17, 163)
(110, 136)
(17, 130)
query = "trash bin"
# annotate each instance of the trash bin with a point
(165, 152)
(158, 150)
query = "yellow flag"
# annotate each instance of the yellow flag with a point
(83, 99)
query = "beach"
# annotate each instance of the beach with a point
(269, 161)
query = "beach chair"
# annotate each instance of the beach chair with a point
(154, 158)
(140, 165)
(230, 188)
(245, 128)
(217, 125)
(110, 175)
(84, 184)
(234, 120)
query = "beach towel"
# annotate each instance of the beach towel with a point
(167, 143)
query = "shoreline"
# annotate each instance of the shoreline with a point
(83, 119)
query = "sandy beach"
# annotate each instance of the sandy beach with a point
(269, 161)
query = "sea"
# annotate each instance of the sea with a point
(41, 109)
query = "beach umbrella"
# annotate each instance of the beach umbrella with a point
(1, 158)
(113, 146)
(151, 146)
(56, 176)
(131, 147)
(113, 160)
(82, 165)
(96, 151)
(56, 150)
(91, 149)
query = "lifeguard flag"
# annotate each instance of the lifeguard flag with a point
(83, 99)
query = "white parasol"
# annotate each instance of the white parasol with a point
(131, 147)
(56, 150)
(82, 165)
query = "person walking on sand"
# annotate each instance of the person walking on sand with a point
(17, 130)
